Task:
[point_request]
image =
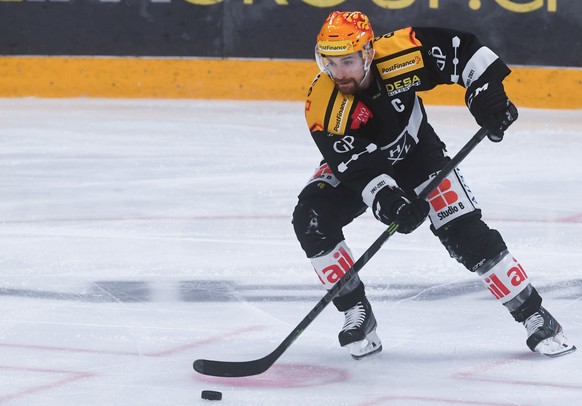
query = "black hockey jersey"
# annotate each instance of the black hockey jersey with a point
(361, 136)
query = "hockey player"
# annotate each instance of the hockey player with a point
(378, 150)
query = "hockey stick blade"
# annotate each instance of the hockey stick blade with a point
(233, 369)
(258, 366)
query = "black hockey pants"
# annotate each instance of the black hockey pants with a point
(323, 210)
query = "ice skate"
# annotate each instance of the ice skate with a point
(358, 334)
(545, 335)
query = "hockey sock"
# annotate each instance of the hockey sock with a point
(330, 267)
(350, 299)
(509, 284)
(529, 306)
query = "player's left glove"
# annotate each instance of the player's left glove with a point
(491, 108)
(391, 205)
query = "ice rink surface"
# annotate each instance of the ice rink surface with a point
(137, 236)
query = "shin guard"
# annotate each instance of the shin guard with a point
(509, 284)
(331, 266)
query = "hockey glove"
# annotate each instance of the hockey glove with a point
(390, 205)
(491, 108)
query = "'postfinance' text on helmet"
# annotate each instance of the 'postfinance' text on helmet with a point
(343, 33)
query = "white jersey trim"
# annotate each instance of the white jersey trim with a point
(478, 63)
(375, 185)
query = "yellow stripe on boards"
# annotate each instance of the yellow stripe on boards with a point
(155, 78)
(535, 87)
(239, 79)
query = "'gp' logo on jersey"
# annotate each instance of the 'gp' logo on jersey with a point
(441, 59)
(344, 145)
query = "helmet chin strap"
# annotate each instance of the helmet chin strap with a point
(367, 66)
(367, 72)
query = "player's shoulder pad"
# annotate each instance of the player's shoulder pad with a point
(395, 42)
(397, 53)
(326, 109)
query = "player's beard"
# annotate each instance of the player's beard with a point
(349, 86)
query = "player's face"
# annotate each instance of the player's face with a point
(347, 72)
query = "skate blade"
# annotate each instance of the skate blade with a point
(368, 354)
(369, 346)
(556, 346)
(565, 351)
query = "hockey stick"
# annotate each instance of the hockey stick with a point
(258, 366)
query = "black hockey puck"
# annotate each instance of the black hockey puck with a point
(211, 395)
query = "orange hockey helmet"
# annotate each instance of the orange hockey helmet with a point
(344, 33)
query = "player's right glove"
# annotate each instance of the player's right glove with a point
(390, 205)
(491, 108)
